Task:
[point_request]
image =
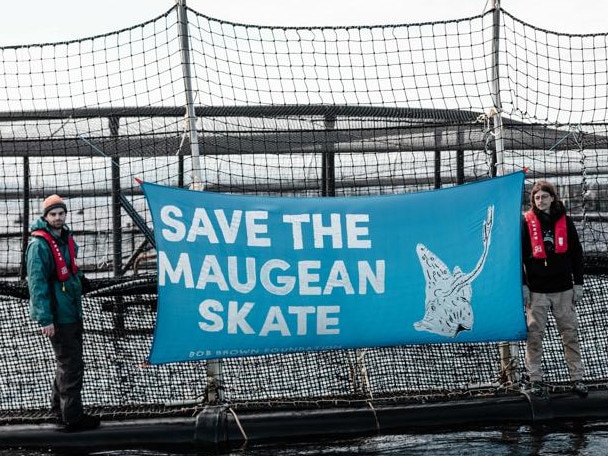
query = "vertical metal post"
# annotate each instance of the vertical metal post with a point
(214, 367)
(118, 310)
(180, 170)
(460, 158)
(498, 160)
(26, 215)
(437, 174)
(360, 378)
(508, 350)
(113, 123)
(184, 36)
(459, 166)
(328, 173)
(437, 168)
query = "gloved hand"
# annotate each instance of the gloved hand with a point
(578, 293)
(526, 294)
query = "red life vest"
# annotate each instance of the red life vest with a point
(536, 235)
(60, 264)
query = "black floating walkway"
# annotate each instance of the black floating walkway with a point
(221, 427)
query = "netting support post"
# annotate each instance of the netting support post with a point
(508, 350)
(437, 163)
(26, 216)
(184, 39)
(509, 373)
(460, 177)
(328, 173)
(114, 124)
(496, 110)
(118, 314)
(214, 367)
(460, 166)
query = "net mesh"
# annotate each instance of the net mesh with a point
(331, 111)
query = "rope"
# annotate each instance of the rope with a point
(371, 406)
(584, 184)
(238, 423)
(488, 134)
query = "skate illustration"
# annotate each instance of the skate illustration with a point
(447, 308)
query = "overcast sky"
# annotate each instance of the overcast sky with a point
(44, 21)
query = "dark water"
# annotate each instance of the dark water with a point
(567, 439)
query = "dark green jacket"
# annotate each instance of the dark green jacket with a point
(51, 301)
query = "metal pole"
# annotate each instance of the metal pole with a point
(498, 161)
(328, 173)
(437, 167)
(214, 367)
(508, 350)
(113, 123)
(197, 181)
(26, 215)
(459, 166)
(118, 313)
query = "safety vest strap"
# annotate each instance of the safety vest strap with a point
(536, 235)
(63, 273)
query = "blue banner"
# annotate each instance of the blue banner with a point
(250, 275)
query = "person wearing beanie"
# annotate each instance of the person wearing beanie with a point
(53, 202)
(56, 285)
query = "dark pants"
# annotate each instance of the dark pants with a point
(67, 386)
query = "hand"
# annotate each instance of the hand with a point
(578, 293)
(526, 294)
(48, 330)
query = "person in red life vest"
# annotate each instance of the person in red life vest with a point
(553, 281)
(55, 287)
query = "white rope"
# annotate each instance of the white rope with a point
(371, 406)
(238, 423)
